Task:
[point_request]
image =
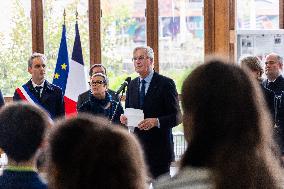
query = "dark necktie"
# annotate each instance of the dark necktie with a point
(142, 93)
(38, 88)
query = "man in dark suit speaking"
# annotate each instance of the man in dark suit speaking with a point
(39, 91)
(157, 96)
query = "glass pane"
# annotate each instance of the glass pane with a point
(257, 14)
(15, 44)
(181, 37)
(123, 28)
(53, 20)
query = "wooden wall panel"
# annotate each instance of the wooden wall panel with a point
(37, 26)
(95, 31)
(232, 30)
(152, 17)
(219, 27)
(209, 25)
(281, 14)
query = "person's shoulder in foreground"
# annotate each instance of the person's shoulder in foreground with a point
(187, 178)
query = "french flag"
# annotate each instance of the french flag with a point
(76, 81)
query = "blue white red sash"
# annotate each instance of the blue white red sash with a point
(26, 95)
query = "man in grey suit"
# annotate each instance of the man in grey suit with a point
(157, 96)
(84, 97)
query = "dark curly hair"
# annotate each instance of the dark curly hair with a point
(22, 127)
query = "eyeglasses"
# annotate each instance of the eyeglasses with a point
(95, 83)
(140, 58)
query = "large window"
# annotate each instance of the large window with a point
(257, 14)
(53, 21)
(123, 28)
(181, 37)
(15, 44)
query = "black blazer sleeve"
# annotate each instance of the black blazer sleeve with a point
(16, 97)
(170, 96)
(79, 102)
(60, 105)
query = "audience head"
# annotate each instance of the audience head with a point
(273, 66)
(86, 152)
(97, 68)
(22, 128)
(253, 64)
(36, 67)
(143, 59)
(226, 128)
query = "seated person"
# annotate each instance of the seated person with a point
(229, 133)
(100, 101)
(95, 68)
(22, 128)
(87, 153)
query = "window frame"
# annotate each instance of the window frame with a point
(221, 42)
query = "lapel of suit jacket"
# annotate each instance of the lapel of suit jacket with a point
(152, 88)
(45, 92)
(31, 87)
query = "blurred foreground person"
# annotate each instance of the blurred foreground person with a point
(22, 128)
(229, 134)
(86, 153)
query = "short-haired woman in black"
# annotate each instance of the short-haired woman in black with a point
(100, 101)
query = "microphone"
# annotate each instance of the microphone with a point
(123, 85)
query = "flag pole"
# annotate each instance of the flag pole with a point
(64, 16)
(76, 15)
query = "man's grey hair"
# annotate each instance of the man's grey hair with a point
(278, 57)
(35, 55)
(149, 51)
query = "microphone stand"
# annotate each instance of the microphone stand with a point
(117, 103)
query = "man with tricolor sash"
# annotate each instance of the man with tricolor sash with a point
(38, 90)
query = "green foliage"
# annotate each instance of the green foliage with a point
(179, 75)
(113, 23)
(16, 48)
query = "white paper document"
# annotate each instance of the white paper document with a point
(134, 116)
